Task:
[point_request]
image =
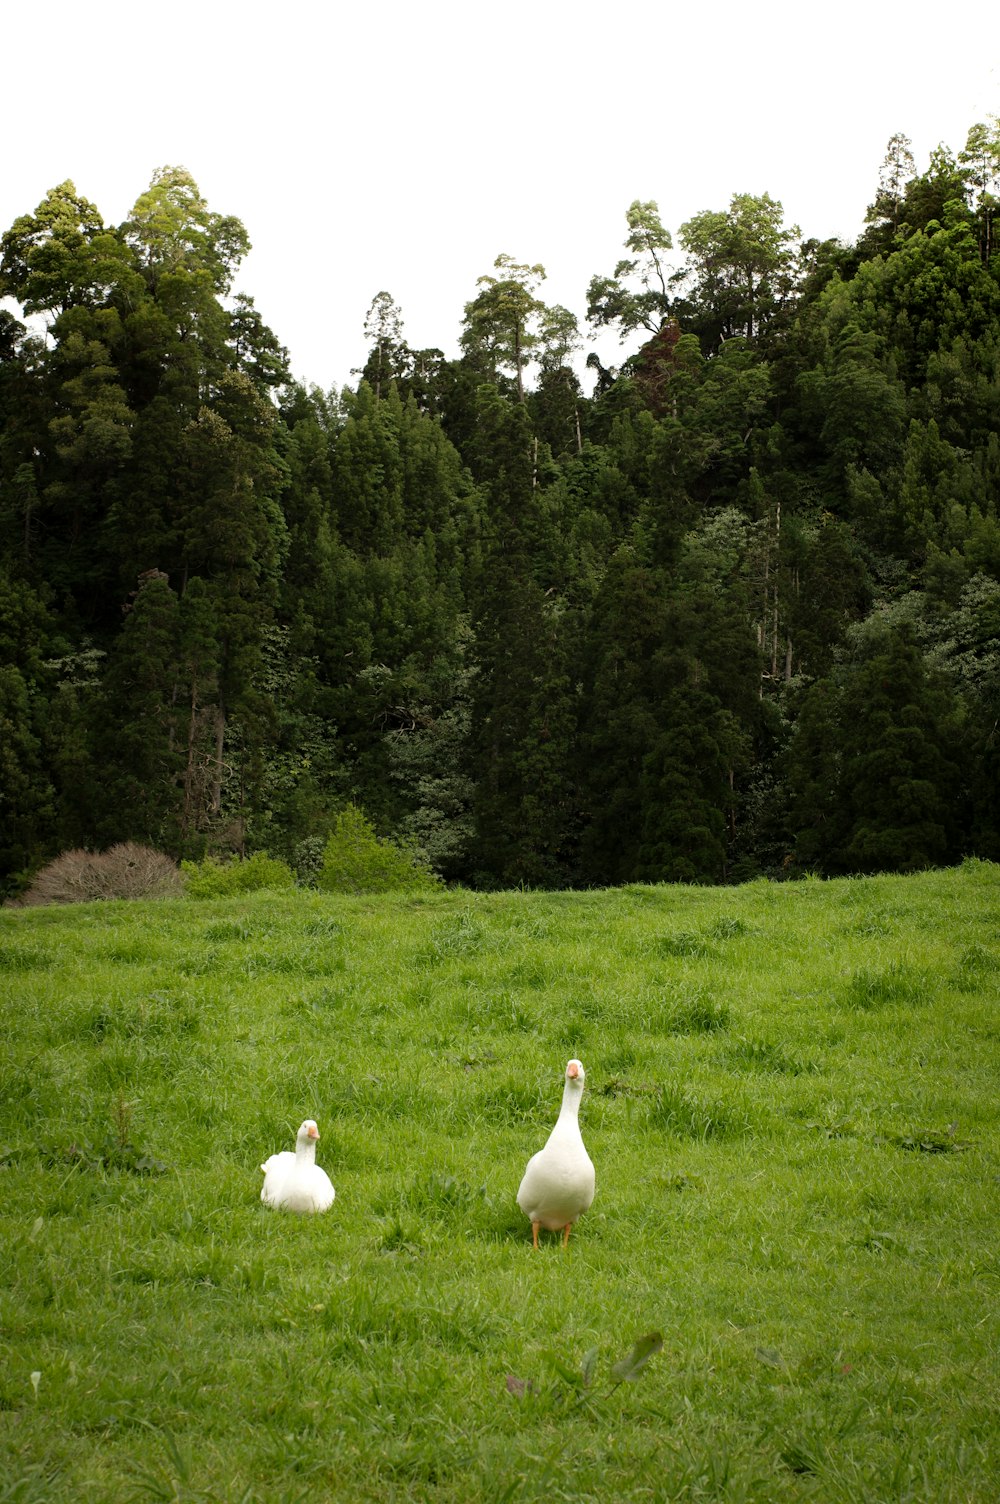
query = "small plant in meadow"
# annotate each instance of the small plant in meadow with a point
(116, 1150)
(126, 870)
(977, 969)
(897, 983)
(212, 878)
(682, 944)
(728, 927)
(357, 860)
(459, 935)
(928, 1140)
(675, 1112)
(695, 1013)
(759, 1055)
(580, 1381)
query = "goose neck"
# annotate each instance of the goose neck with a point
(570, 1110)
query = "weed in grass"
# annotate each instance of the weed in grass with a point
(157, 1015)
(325, 1000)
(498, 1009)
(881, 1242)
(693, 1012)
(729, 927)
(308, 961)
(619, 1054)
(928, 1140)
(527, 974)
(326, 926)
(870, 927)
(512, 1103)
(573, 1033)
(237, 930)
(977, 969)
(681, 944)
(26, 1089)
(204, 963)
(399, 1237)
(14, 958)
(896, 984)
(34, 1484)
(679, 1180)
(680, 1114)
(760, 1055)
(462, 935)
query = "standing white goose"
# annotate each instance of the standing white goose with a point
(558, 1185)
(295, 1182)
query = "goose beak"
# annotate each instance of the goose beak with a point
(573, 1070)
(313, 1132)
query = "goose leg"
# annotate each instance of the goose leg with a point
(566, 1233)
(534, 1233)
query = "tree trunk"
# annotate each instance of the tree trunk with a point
(220, 737)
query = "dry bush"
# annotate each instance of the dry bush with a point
(127, 870)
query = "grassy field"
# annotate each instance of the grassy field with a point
(792, 1105)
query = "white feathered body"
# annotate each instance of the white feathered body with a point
(559, 1182)
(294, 1182)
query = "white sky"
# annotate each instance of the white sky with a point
(404, 145)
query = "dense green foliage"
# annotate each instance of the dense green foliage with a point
(357, 860)
(211, 878)
(736, 612)
(790, 1105)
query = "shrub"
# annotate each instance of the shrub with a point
(356, 860)
(126, 870)
(307, 859)
(215, 879)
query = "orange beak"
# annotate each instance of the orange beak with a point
(572, 1070)
(313, 1133)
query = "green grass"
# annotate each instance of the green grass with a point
(791, 1103)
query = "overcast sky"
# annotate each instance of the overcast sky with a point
(404, 145)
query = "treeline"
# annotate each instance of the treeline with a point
(736, 612)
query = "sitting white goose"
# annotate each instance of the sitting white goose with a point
(295, 1182)
(558, 1184)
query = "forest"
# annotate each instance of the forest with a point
(732, 612)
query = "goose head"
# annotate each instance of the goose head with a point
(575, 1074)
(307, 1134)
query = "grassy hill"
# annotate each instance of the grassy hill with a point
(792, 1105)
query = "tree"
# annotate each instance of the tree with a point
(617, 300)
(619, 713)
(389, 356)
(141, 745)
(685, 791)
(740, 266)
(885, 214)
(501, 322)
(887, 793)
(556, 403)
(61, 256)
(523, 711)
(259, 355)
(175, 234)
(980, 160)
